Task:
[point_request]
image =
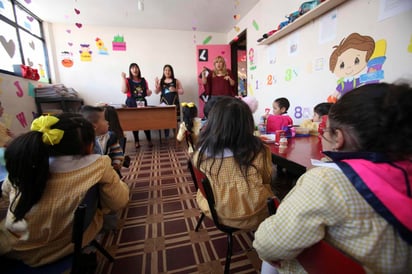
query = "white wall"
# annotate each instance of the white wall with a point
(311, 86)
(100, 81)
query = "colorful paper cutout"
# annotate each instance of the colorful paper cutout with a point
(22, 119)
(70, 44)
(69, 31)
(410, 46)
(207, 39)
(67, 60)
(27, 1)
(32, 45)
(79, 25)
(9, 46)
(236, 16)
(41, 71)
(100, 47)
(85, 53)
(30, 18)
(77, 11)
(255, 25)
(118, 43)
(29, 62)
(31, 90)
(19, 91)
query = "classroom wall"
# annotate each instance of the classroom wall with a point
(304, 76)
(99, 80)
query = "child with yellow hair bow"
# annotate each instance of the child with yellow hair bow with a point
(190, 127)
(50, 170)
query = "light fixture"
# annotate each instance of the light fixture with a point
(140, 5)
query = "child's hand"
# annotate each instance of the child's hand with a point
(123, 75)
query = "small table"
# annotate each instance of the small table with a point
(296, 158)
(146, 118)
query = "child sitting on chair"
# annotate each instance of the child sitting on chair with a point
(279, 120)
(51, 168)
(319, 111)
(107, 143)
(190, 127)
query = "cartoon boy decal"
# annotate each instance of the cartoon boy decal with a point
(348, 60)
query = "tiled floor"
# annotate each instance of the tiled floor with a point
(157, 234)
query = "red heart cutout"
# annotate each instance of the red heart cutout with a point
(77, 11)
(79, 25)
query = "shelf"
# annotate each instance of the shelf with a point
(302, 20)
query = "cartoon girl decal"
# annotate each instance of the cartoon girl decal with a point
(348, 60)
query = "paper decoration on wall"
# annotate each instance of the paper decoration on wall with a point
(194, 34)
(77, 11)
(32, 45)
(85, 53)
(302, 112)
(237, 29)
(1, 5)
(236, 16)
(255, 25)
(41, 71)
(290, 74)
(67, 60)
(79, 25)
(101, 49)
(207, 40)
(410, 46)
(69, 31)
(118, 43)
(22, 119)
(356, 61)
(70, 44)
(30, 18)
(27, 1)
(319, 64)
(271, 80)
(252, 59)
(9, 46)
(31, 90)
(29, 62)
(19, 91)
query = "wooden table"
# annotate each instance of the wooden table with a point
(296, 157)
(146, 118)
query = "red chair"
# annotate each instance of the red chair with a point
(323, 257)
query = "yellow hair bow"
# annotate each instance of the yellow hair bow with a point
(43, 124)
(190, 105)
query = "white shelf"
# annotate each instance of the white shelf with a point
(302, 20)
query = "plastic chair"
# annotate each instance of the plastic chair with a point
(208, 193)
(197, 176)
(78, 262)
(322, 257)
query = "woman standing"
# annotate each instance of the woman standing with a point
(220, 80)
(136, 89)
(170, 89)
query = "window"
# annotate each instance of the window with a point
(21, 40)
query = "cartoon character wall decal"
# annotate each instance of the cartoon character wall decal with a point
(357, 60)
(85, 53)
(67, 60)
(101, 47)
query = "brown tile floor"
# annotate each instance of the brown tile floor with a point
(156, 234)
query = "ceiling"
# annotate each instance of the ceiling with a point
(191, 15)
